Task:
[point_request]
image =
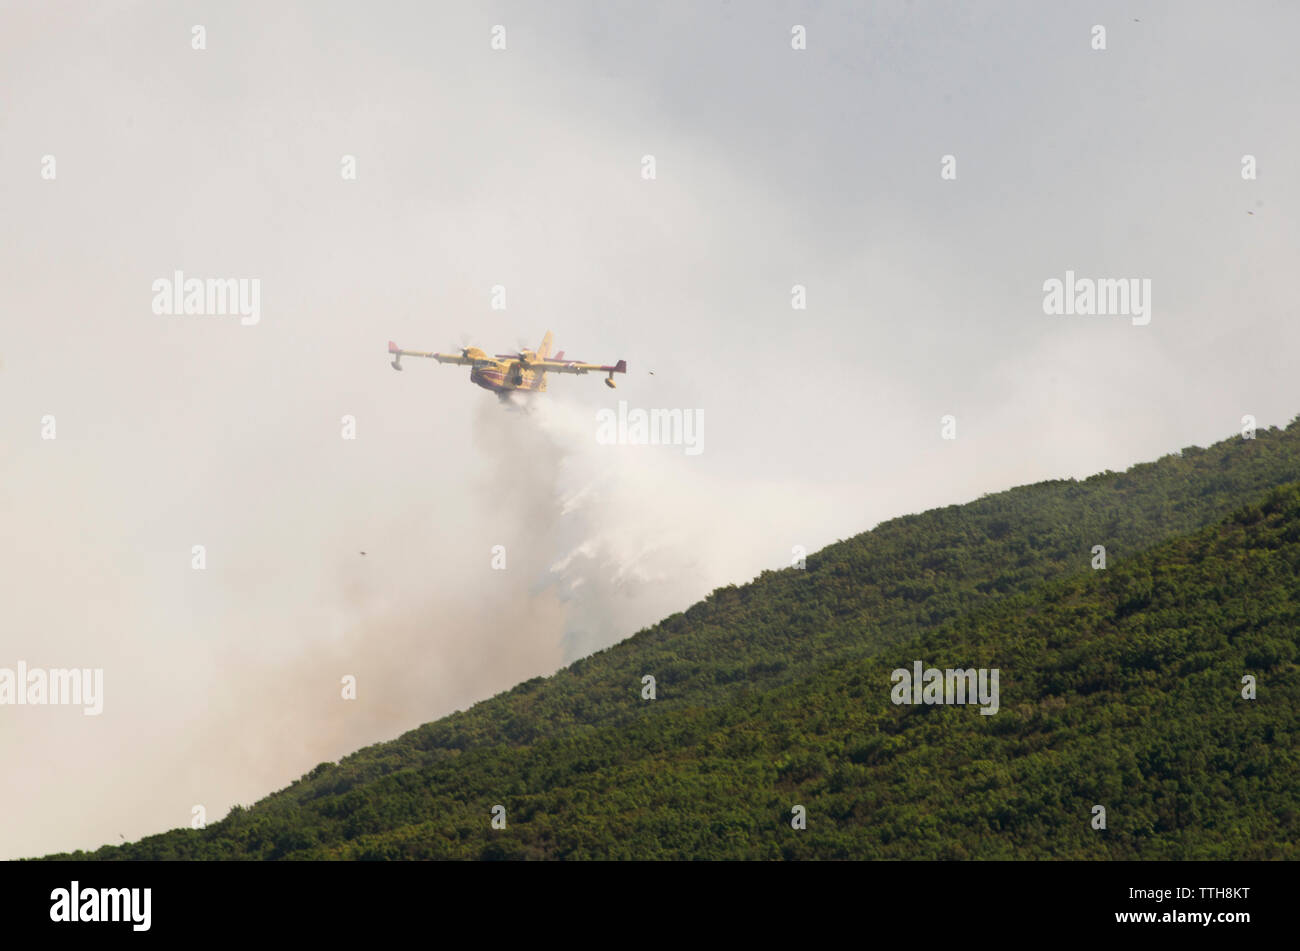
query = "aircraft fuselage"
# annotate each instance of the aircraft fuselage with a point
(506, 379)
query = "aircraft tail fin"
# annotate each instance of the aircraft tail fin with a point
(544, 350)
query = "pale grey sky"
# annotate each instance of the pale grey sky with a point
(522, 167)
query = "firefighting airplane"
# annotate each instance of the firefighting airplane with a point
(505, 373)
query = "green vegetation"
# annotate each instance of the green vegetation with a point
(1119, 687)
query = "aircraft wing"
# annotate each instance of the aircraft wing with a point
(456, 358)
(574, 366)
(470, 357)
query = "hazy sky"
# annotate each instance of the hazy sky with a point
(523, 167)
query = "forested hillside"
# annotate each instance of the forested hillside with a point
(1119, 687)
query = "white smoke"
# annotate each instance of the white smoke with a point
(607, 529)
